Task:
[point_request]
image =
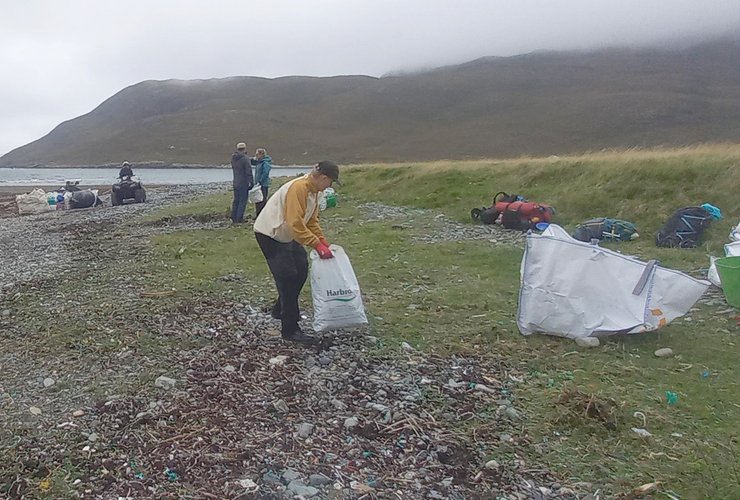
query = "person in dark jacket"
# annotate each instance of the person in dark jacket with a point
(125, 171)
(243, 182)
(263, 164)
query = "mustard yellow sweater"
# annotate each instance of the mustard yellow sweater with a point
(292, 213)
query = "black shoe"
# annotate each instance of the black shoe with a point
(298, 336)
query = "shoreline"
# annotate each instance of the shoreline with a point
(17, 189)
(8, 193)
(144, 166)
(8, 207)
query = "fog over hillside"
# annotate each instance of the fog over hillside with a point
(540, 103)
(61, 60)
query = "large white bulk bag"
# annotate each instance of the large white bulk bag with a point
(34, 202)
(337, 302)
(575, 289)
(732, 249)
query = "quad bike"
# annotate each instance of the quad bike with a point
(125, 189)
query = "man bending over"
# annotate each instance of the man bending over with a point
(290, 221)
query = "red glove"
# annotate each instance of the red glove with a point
(323, 250)
(323, 240)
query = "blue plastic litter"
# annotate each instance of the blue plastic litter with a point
(714, 211)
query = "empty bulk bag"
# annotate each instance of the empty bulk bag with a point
(574, 289)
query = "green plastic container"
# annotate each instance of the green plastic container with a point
(331, 200)
(729, 273)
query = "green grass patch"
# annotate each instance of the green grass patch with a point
(462, 297)
(218, 203)
(644, 189)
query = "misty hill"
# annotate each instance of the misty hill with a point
(541, 103)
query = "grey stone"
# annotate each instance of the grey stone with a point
(165, 383)
(588, 342)
(376, 406)
(305, 430)
(512, 414)
(281, 406)
(351, 422)
(505, 438)
(301, 489)
(311, 362)
(324, 361)
(318, 480)
(48, 382)
(291, 475)
(92, 437)
(6, 312)
(492, 464)
(271, 478)
(665, 352)
(339, 405)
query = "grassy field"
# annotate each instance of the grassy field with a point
(462, 296)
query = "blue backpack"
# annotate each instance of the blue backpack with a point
(606, 230)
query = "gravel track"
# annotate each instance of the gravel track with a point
(244, 415)
(38, 246)
(439, 228)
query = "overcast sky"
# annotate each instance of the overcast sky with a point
(61, 58)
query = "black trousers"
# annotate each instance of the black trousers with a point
(239, 204)
(259, 206)
(288, 263)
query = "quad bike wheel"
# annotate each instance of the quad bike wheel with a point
(140, 195)
(114, 200)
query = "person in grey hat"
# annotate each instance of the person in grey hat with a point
(243, 182)
(290, 221)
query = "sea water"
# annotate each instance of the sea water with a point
(148, 176)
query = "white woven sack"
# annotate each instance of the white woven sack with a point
(255, 194)
(34, 202)
(337, 302)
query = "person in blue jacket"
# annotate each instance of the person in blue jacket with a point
(263, 164)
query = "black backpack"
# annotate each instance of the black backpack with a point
(484, 215)
(684, 228)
